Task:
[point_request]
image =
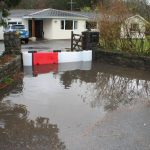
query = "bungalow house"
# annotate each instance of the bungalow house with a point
(134, 27)
(55, 24)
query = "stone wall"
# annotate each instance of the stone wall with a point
(12, 43)
(122, 59)
(10, 68)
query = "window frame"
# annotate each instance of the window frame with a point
(63, 25)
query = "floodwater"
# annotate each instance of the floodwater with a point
(77, 106)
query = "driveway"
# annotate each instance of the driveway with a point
(42, 45)
(47, 45)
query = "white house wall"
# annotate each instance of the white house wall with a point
(52, 29)
(47, 28)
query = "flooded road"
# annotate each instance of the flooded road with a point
(77, 107)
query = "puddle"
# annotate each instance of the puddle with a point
(65, 107)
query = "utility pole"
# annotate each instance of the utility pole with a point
(71, 4)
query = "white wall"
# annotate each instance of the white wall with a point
(52, 29)
(47, 28)
(1, 33)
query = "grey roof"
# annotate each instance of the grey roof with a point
(19, 13)
(90, 15)
(53, 13)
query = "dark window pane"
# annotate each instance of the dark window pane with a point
(69, 25)
(134, 27)
(75, 25)
(62, 24)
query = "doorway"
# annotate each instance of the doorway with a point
(39, 34)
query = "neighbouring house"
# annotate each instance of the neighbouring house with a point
(16, 17)
(134, 27)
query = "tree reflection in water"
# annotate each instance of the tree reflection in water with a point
(109, 88)
(17, 132)
(113, 90)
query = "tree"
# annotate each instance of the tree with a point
(5, 5)
(139, 6)
(118, 31)
(58, 4)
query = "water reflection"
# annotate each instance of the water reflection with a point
(113, 90)
(110, 86)
(55, 68)
(73, 100)
(15, 88)
(17, 132)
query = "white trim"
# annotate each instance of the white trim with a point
(139, 17)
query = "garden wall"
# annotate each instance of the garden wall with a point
(11, 67)
(122, 59)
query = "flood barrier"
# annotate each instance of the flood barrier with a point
(43, 58)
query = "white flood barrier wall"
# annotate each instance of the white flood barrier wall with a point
(27, 59)
(63, 57)
(86, 55)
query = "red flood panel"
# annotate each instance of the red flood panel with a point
(45, 58)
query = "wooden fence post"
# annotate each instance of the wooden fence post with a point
(71, 40)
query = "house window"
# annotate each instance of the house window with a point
(134, 27)
(19, 22)
(75, 25)
(91, 25)
(68, 24)
(62, 24)
(11, 23)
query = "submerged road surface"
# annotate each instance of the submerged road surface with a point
(80, 107)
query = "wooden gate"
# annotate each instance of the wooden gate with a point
(76, 41)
